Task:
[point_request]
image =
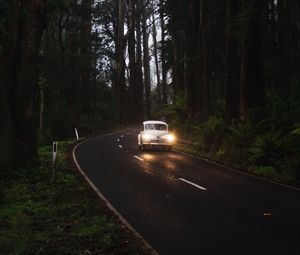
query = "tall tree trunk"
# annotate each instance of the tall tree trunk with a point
(155, 53)
(252, 88)
(86, 58)
(163, 56)
(120, 60)
(19, 83)
(42, 107)
(244, 55)
(177, 69)
(204, 91)
(289, 43)
(191, 59)
(232, 62)
(72, 67)
(139, 78)
(146, 61)
(133, 94)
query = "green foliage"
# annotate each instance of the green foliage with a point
(39, 215)
(266, 172)
(44, 136)
(269, 147)
(213, 130)
(296, 131)
(233, 143)
(175, 113)
(74, 69)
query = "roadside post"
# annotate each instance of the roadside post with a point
(76, 133)
(54, 153)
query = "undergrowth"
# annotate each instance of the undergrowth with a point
(39, 215)
(268, 147)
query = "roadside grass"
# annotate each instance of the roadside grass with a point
(41, 215)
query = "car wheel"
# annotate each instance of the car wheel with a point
(141, 145)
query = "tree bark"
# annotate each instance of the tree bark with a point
(232, 62)
(163, 56)
(252, 88)
(204, 91)
(155, 53)
(139, 77)
(146, 60)
(120, 60)
(19, 83)
(133, 94)
(192, 57)
(86, 57)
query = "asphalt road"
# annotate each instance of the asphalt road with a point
(184, 205)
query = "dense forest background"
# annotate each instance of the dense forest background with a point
(224, 74)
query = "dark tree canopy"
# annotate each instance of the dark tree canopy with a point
(87, 63)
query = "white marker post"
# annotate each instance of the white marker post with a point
(76, 133)
(54, 152)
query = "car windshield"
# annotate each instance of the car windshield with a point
(161, 127)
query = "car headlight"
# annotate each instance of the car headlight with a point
(170, 138)
(146, 137)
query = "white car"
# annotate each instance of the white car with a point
(155, 134)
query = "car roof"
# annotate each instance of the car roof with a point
(154, 122)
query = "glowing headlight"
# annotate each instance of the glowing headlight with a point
(146, 136)
(170, 138)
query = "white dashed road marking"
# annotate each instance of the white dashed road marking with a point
(137, 157)
(191, 183)
(120, 146)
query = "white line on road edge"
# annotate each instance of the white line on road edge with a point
(137, 157)
(120, 146)
(191, 183)
(151, 250)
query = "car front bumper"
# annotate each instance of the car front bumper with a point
(157, 142)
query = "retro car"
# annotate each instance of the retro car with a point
(155, 134)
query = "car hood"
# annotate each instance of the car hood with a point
(155, 132)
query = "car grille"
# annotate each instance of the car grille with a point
(157, 140)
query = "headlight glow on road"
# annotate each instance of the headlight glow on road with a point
(148, 156)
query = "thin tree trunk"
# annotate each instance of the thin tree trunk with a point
(120, 60)
(191, 74)
(177, 68)
(85, 52)
(140, 87)
(232, 63)
(155, 52)
(252, 90)
(133, 94)
(42, 107)
(204, 62)
(146, 67)
(163, 57)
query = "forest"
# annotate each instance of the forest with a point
(225, 75)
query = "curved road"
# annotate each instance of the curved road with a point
(184, 205)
